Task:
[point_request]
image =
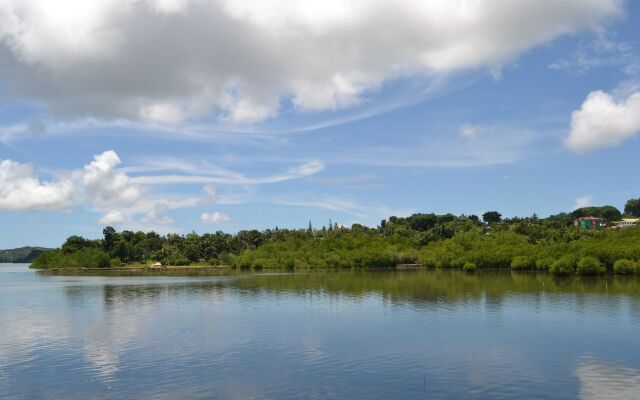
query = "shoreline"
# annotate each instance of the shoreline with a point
(142, 269)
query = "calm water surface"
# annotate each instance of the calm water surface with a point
(341, 335)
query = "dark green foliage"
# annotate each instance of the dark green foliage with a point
(85, 258)
(610, 213)
(492, 217)
(178, 261)
(436, 241)
(632, 208)
(77, 243)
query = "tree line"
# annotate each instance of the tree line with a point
(443, 241)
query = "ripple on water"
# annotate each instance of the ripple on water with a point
(337, 335)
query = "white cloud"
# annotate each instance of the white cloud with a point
(308, 168)
(603, 121)
(471, 131)
(113, 217)
(167, 61)
(223, 176)
(214, 218)
(584, 201)
(128, 201)
(210, 193)
(21, 190)
(602, 51)
(106, 185)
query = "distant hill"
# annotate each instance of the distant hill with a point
(21, 255)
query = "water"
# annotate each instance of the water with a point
(341, 335)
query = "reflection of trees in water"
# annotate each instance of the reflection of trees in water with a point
(77, 295)
(114, 294)
(445, 286)
(417, 288)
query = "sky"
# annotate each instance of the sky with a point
(206, 115)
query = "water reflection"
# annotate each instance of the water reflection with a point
(602, 380)
(433, 334)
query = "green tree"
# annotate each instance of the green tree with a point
(109, 237)
(492, 217)
(632, 208)
(75, 243)
(610, 213)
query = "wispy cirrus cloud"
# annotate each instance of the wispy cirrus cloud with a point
(601, 51)
(226, 177)
(583, 201)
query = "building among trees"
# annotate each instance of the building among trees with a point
(626, 223)
(593, 223)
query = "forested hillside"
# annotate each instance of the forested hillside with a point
(440, 241)
(22, 254)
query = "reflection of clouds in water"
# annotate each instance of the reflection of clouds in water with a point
(312, 349)
(600, 380)
(103, 358)
(131, 317)
(482, 364)
(112, 330)
(24, 331)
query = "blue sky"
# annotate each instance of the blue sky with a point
(136, 120)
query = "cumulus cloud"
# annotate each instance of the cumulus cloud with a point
(21, 190)
(106, 185)
(214, 218)
(129, 200)
(167, 61)
(113, 217)
(604, 121)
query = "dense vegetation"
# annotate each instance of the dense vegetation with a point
(439, 241)
(22, 254)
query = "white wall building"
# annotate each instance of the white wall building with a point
(627, 222)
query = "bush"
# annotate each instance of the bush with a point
(469, 267)
(522, 262)
(590, 266)
(85, 258)
(544, 264)
(177, 261)
(115, 263)
(565, 265)
(46, 260)
(626, 267)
